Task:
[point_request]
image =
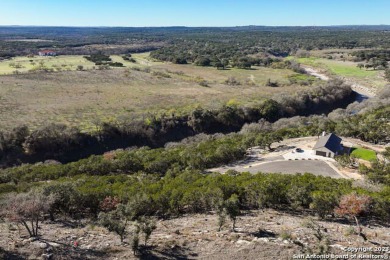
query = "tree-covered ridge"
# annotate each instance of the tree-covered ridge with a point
(275, 40)
(236, 45)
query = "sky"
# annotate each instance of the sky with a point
(145, 13)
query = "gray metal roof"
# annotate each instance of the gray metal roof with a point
(330, 141)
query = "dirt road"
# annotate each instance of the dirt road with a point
(358, 88)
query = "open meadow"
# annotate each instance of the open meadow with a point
(345, 68)
(58, 63)
(83, 98)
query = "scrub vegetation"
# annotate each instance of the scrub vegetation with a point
(121, 128)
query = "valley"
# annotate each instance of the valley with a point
(194, 143)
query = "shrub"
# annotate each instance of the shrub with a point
(109, 204)
(232, 207)
(161, 74)
(116, 221)
(353, 205)
(204, 83)
(98, 58)
(272, 84)
(67, 199)
(323, 202)
(202, 61)
(285, 234)
(146, 225)
(27, 209)
(232, 81)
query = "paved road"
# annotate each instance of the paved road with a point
(291, 167)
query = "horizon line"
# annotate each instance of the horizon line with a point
(186, 26)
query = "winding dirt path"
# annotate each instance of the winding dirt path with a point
(362, 90)
(316, 73)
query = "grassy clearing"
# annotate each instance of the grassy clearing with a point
(58, 63)
(340, 68)
(365, 154)
(83, 98)
(347, 69)
(256, 75)
(334, 52)
(63, 63)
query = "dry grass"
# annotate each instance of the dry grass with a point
(82, 98)
(64, 63)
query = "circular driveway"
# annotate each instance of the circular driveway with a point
(291, 167)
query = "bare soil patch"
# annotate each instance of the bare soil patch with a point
(259, 235)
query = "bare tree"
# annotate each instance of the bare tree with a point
(27, 209)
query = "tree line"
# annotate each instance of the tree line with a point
(277, 41)
(203, 151)
(116, 201)
(64, 143)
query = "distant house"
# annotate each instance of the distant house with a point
(47, 53)
(328, 146)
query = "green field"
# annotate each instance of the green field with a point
(83, 98)
(365, 154)
(340, 68)
(347, 69)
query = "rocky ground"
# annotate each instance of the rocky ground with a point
(259, 235)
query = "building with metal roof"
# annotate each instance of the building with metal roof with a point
(328, 146)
